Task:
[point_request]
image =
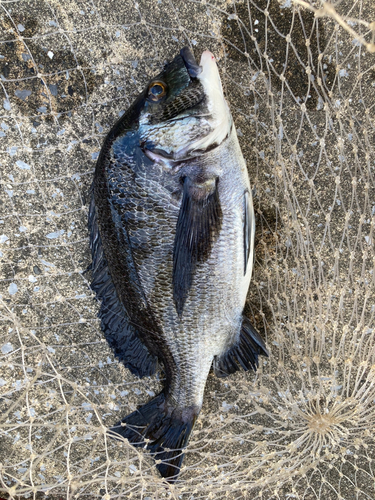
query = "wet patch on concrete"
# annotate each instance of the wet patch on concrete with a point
(290, 41)
(42, 82)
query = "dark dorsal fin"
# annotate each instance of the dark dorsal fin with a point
(121, 333)
(198, 226)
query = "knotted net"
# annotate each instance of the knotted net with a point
(300, 80)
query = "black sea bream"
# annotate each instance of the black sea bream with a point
(172, 235)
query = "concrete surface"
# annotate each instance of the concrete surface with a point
(302, 96)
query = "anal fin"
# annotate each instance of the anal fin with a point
(243, 354)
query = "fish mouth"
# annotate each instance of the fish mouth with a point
(191, 64)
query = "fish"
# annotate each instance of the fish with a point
(172, 228)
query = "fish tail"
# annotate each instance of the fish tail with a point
(162, 428)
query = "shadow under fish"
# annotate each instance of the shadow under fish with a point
(172, 235)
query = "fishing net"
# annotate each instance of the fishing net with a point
(300, 80)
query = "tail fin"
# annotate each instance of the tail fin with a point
(167, 430)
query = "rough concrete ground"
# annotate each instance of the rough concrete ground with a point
(302, 96)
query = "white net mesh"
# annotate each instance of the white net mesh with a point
(300, 79)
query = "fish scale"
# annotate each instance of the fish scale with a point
(172, 236)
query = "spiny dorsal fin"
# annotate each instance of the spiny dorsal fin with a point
(120, 332)
(198, 226)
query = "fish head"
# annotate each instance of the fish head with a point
(184, 111)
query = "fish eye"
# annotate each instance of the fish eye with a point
(157, 90)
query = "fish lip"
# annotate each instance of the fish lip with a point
(158, 154)
(191, 64)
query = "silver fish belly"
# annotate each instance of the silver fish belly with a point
(172, 235)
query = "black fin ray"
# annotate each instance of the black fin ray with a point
(243, 354)
(164, 431)
(198, 225)
(120, 333)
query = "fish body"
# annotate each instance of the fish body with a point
(172, 234)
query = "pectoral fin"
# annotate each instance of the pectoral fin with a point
(198, 226)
